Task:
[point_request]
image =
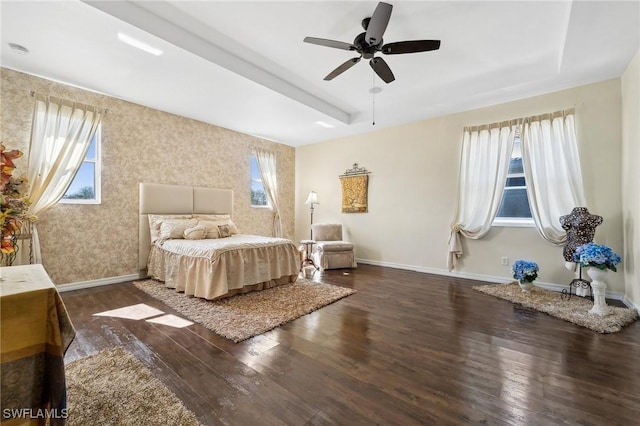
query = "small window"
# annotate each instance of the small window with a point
(514, 208)
(85, 187)
(258, 195)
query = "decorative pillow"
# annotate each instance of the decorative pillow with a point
(232, 227)
(211, 227)
(221, 219)
(174, 228)
(224, 231)
(214, 217)
(198, 232)
(156, 219)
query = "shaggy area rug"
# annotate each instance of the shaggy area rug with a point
(574, 310)
(245, 315)
(113, 388)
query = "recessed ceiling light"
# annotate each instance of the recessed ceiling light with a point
(18, 48)
(323, 124)
(375, 90)
(131, 41)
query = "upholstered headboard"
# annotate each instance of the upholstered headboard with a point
(158, 198)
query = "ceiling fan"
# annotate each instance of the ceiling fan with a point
(370, 42)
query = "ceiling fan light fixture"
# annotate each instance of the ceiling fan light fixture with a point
(138, 44)
(368, 43)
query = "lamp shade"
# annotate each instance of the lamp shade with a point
(312, 198)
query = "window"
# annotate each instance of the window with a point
(514, 208)
(85, 186)
(258, 195)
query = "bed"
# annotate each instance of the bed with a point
(224, 262)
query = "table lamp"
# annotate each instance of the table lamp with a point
(312, 199)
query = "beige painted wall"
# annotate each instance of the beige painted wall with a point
(89, 242)
(631, 177)
(412, 187)
(414, 181)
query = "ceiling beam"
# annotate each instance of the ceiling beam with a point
(170, 24)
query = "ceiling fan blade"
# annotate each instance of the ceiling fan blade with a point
(329, 43)
(342, 68)
(378, 23)
(382, 69)
(412, 46)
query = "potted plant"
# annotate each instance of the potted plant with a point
(525, 272)
(13, 205)
(598, 259)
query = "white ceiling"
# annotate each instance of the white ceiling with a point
(243, 65)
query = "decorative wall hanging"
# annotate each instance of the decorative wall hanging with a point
(355, 183)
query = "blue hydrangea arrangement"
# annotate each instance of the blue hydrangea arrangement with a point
(525, 270)
(598, 256)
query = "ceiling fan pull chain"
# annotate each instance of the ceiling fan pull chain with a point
(374, 110)
(373, 95)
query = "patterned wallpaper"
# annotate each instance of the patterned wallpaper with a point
(139, 144)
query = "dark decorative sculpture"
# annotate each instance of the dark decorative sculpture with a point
(581, 227)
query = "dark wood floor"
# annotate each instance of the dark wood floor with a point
(408, 348)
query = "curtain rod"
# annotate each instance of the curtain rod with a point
(259, 148)
(520, 121)
(103, 110)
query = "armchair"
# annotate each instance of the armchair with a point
(329, 251)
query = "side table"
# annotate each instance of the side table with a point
(308, 248)
(35, 332)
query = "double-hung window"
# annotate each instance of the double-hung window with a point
(258, 194)
(85, 187)
(514, 208)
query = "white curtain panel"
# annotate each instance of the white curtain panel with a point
(268, 173)
(552, 170)
(60, 137)
(486, 153)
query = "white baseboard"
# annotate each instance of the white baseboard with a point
(630, 304)
(96, 283)
(488, 278)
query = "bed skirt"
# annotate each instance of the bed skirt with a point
(233, 272)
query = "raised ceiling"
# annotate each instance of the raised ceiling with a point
(243, 65)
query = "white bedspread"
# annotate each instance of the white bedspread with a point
(221, 267)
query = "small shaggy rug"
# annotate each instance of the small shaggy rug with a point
(245, 315)
(113, 388)
(574, 310)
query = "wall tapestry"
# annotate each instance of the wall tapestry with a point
(355, 187)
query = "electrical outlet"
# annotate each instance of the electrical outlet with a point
(504, 260)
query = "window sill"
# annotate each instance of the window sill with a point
(261, 207)
(79, 201)
(514, 223)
